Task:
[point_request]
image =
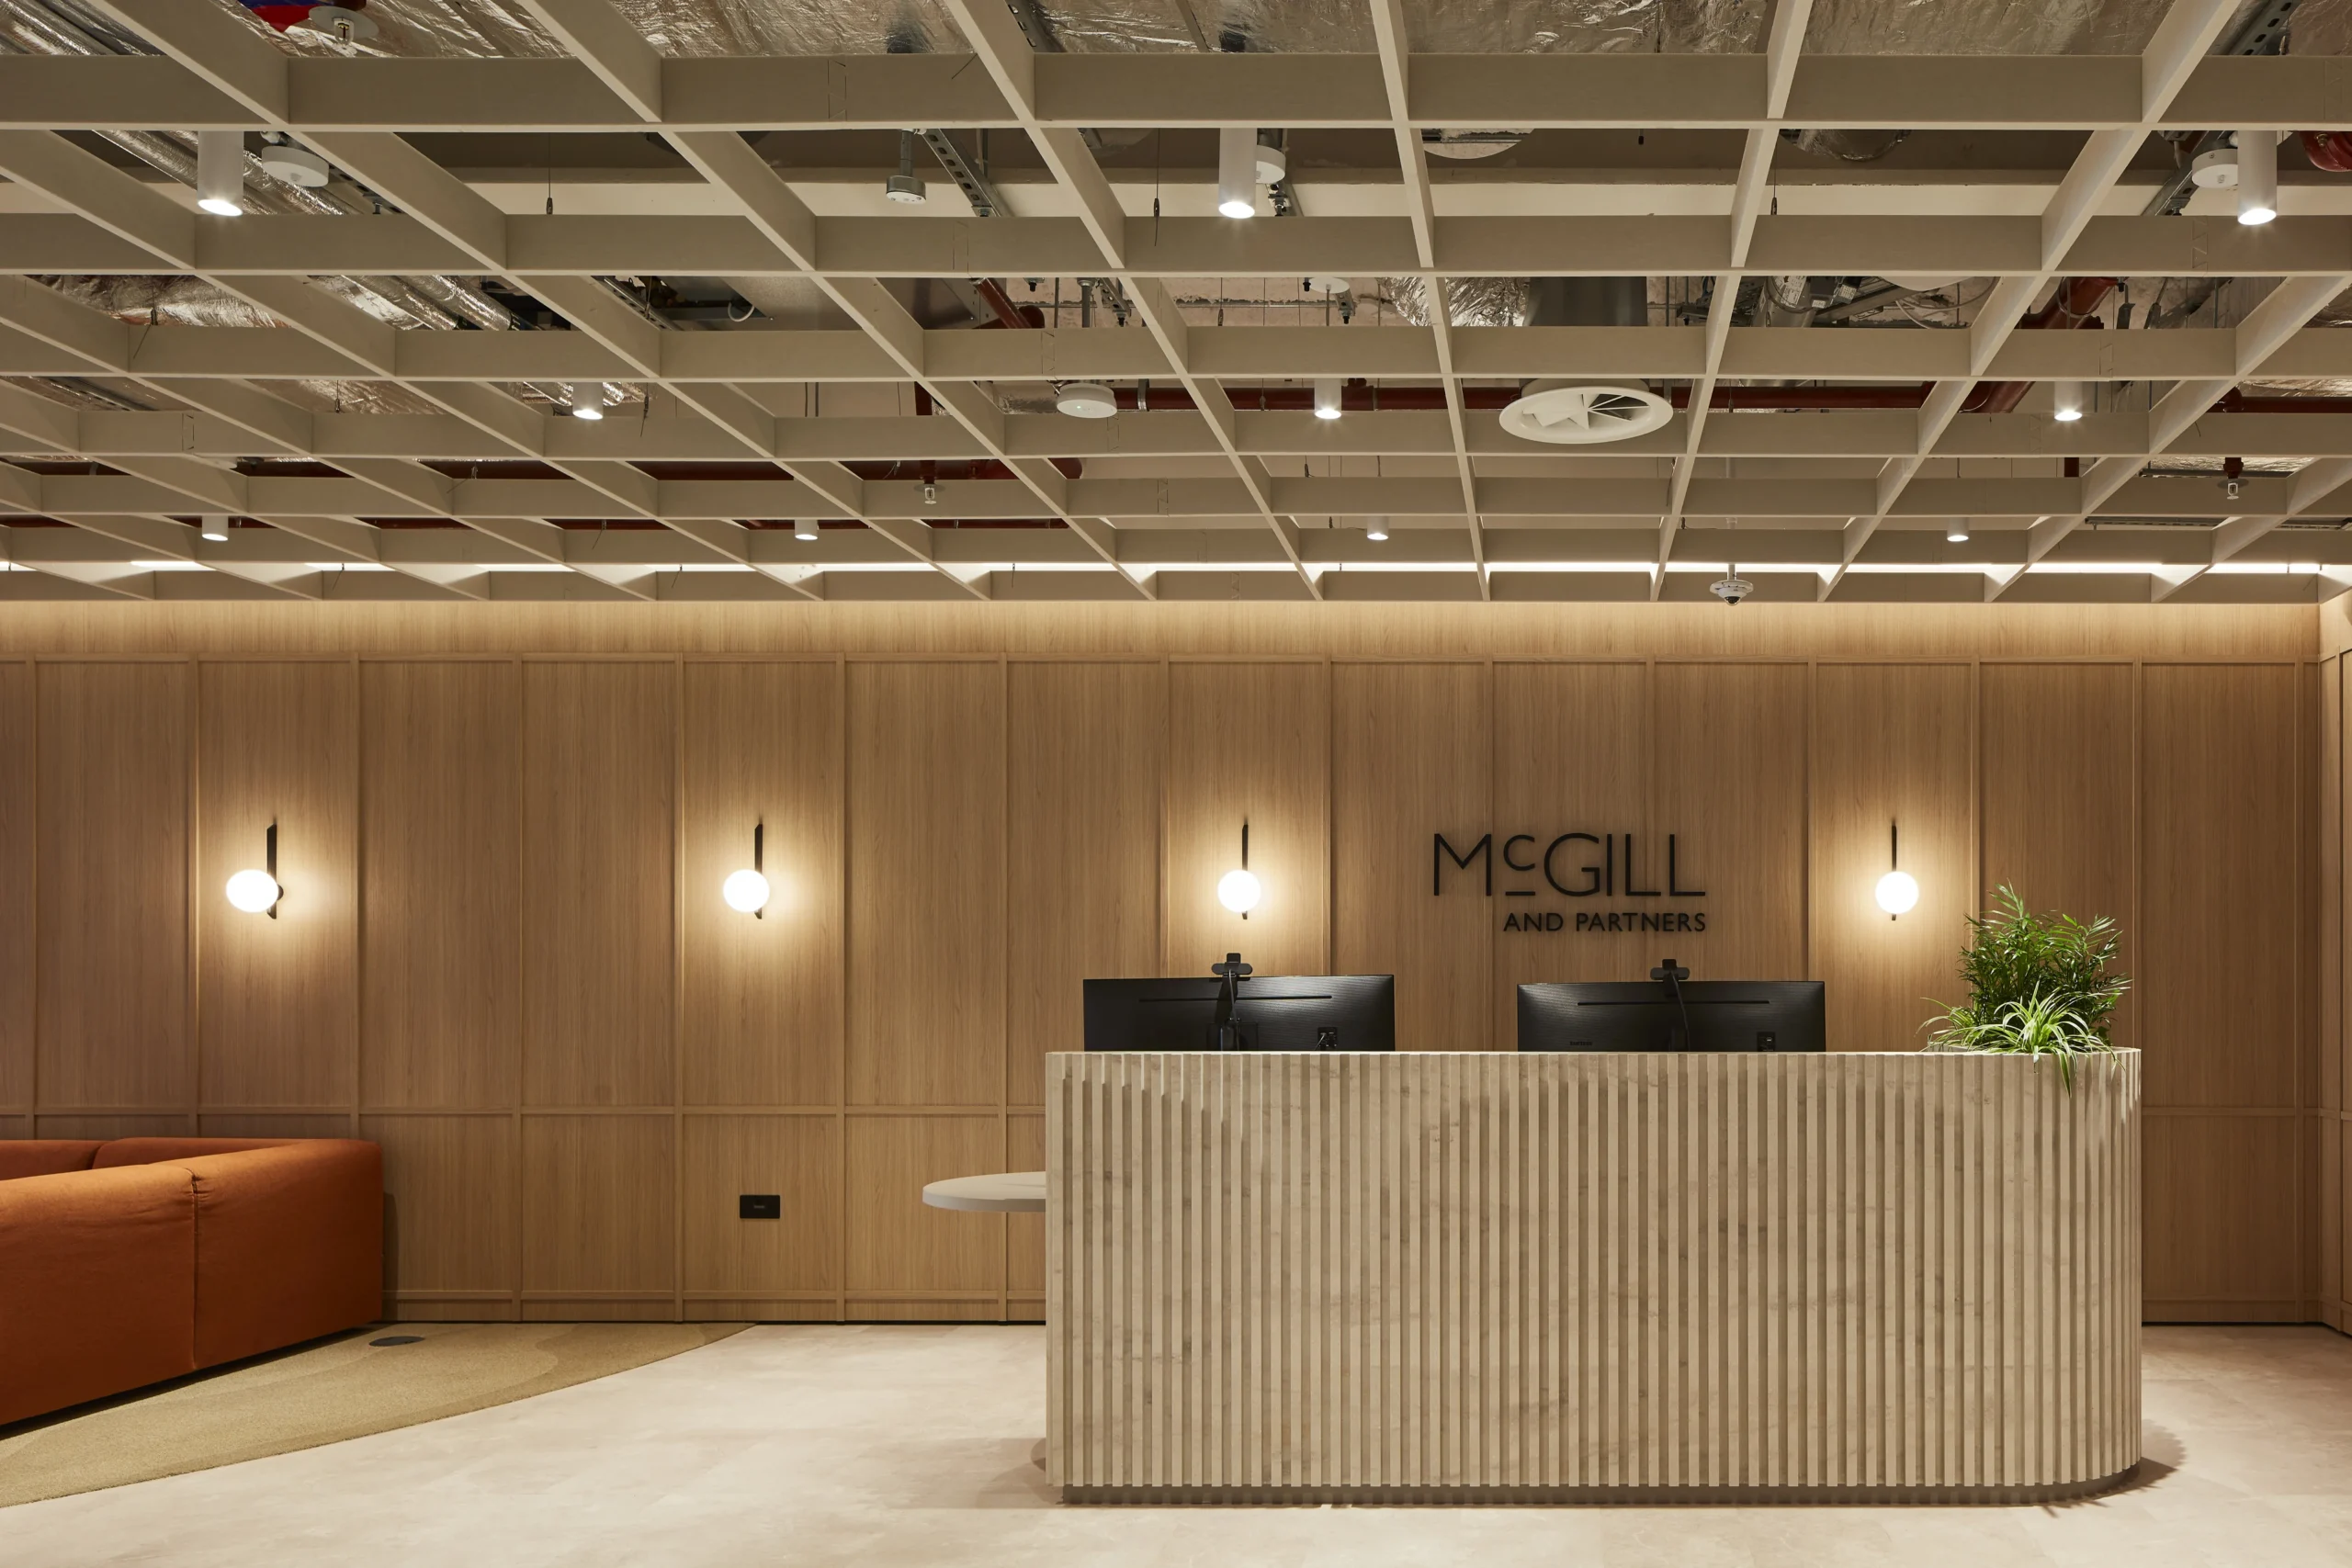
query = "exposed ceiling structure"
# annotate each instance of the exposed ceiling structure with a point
(1819, 300)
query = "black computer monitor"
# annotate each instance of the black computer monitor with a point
(1272, 1013)
(1643, 1015)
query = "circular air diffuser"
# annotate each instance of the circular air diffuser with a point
(1563, 415)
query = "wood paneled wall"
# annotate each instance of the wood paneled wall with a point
(503, 955)
(2326, 1145)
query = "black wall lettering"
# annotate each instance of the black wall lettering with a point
(1631, 891)
(1438, 857)
(1592, 873)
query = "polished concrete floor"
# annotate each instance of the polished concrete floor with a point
(915, 1446)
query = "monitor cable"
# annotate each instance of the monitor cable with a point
(1673, 975)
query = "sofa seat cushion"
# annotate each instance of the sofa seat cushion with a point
(98, 1271)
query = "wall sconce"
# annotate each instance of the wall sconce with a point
(746, 891)
(1237, 890)
(1898, 893)
(258, 892)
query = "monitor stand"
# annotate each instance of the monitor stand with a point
(1228, 1034)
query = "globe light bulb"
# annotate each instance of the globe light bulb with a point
(1898, 894)
(745, 891)
(253, 891)
(1237, 891)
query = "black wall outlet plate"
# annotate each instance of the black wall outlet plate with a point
(760, 1206)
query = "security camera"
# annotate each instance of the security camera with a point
(1731, 588)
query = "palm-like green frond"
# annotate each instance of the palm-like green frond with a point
(2039, 986)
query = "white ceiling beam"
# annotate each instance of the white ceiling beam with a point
(261, 245)
(1392, 353)
(242, 89)
(1420, 201)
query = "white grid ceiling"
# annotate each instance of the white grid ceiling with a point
(486, 491)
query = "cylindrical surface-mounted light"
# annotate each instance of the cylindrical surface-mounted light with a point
(1237, 172)
(1376, 529)
(805, 529)
(2258, 177)
(214, 526)
(1956, 531)
(1327, 397)
(221, 172)
(2067, 401)
(587, 400)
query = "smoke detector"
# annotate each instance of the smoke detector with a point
(2216, 170)
(342, 23)
(1087, 400)
(295, 166)
(1563, 415)
(1731, 588)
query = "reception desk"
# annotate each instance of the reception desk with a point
(1591, 1277)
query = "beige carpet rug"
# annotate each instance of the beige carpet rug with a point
(324, 1393)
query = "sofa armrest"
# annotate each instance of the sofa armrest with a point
(289, 1245)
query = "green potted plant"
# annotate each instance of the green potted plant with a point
(2039, 986)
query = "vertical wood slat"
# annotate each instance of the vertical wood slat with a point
(1591, 1275)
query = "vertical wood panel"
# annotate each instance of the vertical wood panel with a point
(278, 1005)
(2335, 1179)
(1248, 741)
(2220, 799)
(761, 998)
(1892, 744)
(2222, 1218)
(1572, 751)
(1085, 750)
(926, 855)
(440, 847)
(112, 945)
(16, 861)
(1410, 754)
(599, 770)
(2058, 776)
(796, 1158)
(1731, 788)
(598, 1211)
(449, 1229)
(896, 1244)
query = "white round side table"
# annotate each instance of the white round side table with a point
(1010, 1192)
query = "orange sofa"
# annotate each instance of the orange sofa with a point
(125, 1263)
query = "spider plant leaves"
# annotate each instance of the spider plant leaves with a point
(2039, 986)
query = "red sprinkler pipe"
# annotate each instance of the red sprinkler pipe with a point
(2076, 304)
